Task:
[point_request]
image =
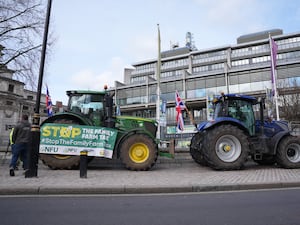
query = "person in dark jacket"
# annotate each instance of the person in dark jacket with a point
(20, 138)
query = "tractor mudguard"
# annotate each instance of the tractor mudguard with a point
(274, 141)
(201, 126)
(68, 116)
(122, 135)
(221, 120)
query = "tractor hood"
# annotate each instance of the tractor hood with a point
(127, 123)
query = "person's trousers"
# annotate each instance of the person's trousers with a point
(19, 150)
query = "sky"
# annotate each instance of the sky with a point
(95, 40)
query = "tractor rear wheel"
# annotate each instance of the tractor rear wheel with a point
(226, 147)
(61, 161)
(288, 152)
(138, 152)
(196, 149)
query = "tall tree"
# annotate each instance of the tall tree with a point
(290, 99)
(21, 30)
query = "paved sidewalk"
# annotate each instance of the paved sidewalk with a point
(167, 176)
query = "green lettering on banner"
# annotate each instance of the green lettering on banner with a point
(69, 139)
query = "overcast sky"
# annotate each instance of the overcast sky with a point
(97, 39)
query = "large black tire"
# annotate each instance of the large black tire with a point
(288, 152)
(226, 147)
(138, 152)
(196, 149)
(61, 161)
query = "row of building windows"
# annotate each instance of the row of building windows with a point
(290, 42)
(200, 87)
(222, 55)
(282, 44)
(174, 63)
(206, 68)
(262, 59)
(151, 67)
(250, 50)
(138, 79)
(220, 66)
(202, 93)
(211, 81)
(146, 68)
(173, 74)
(210, 55)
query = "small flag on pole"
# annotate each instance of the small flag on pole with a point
(179, 107)
(49, 103)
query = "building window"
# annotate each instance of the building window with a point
(30, 97)
(11, 88)
(241, 62)
(9, 103)
(261, 59)
(25, 107)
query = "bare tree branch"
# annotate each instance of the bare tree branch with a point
(21, 30)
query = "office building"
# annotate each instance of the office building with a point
(244, 68)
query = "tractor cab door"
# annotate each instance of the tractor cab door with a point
(242, 110)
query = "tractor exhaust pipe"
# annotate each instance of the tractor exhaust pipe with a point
(261, 110)
(109, 120)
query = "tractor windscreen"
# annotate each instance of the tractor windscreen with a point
(85, 103)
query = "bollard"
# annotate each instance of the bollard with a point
(172, 147)
(83, 164)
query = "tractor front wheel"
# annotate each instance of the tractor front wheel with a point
(139, 152)
(61, 161)
(196, 149)
(288, 152)
(226, 147)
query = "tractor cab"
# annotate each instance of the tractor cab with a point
(88, 104)
(236, 108)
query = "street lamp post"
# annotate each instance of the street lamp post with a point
(34, 144)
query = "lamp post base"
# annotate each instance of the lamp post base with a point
(33, 151)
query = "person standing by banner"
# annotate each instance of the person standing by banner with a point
(20, 138)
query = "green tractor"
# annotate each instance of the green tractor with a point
(226, 142)
(89, 125)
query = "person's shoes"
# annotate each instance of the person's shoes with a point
(11, 172)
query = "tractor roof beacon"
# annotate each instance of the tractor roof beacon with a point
(225, 142)
(135, 140)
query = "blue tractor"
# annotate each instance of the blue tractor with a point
(227, 141)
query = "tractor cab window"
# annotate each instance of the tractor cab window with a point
(242, 111)
(237, 109)
(220, 109)
(86, 103)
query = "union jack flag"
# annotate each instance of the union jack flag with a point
(179, 107)
(49, 103)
